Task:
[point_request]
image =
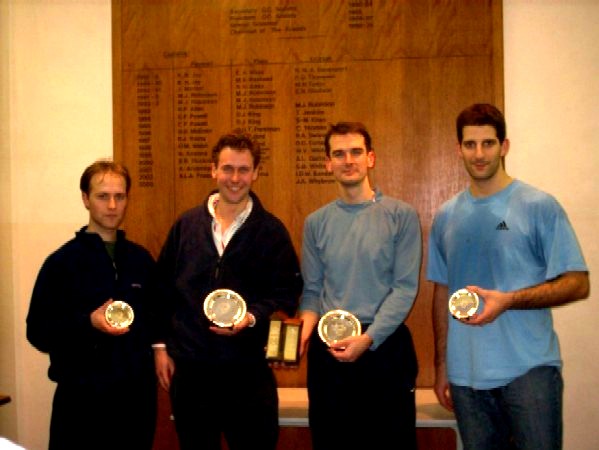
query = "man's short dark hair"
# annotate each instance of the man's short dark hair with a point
(103, 166)
(481, 114)
(237, 140)
(342, 128)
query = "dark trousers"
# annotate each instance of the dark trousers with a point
(116, 417)
(366, 404)
(239, 402)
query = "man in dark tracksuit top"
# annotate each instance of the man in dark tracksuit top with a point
(106, 385)
(218, 377)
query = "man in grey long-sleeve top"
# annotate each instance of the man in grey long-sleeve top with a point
(361, 254)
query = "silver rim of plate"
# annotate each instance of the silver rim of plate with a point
(225, 307)
(119, 314)
(463, 303)
(338, 324)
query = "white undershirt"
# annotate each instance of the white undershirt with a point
(221, 240)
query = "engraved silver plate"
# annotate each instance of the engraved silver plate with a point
(463, 303)
(338, 324)
(224, 307)
(119, 314)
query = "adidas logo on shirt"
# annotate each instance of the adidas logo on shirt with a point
(502, 226)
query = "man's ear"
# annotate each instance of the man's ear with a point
(505, 147)
(85, 199)
(371, 158)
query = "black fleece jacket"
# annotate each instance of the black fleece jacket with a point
(74, 281)
(259, 263)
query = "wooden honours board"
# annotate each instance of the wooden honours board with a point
(185, 72)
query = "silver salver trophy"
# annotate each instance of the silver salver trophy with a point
(119, 314)
(225, 307)
(463, 304)
(338, 324)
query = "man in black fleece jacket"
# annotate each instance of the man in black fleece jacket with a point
(106, 386)
(218, 377)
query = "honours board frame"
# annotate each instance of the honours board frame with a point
(185, 72)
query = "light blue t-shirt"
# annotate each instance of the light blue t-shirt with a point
(516, 238)
(363, 258)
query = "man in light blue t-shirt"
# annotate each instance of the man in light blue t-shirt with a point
(513, 246)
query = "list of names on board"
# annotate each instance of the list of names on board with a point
(274, 71)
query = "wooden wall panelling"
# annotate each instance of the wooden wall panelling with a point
(185, 72)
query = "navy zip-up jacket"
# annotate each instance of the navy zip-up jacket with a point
(74, 281)
(259, 263)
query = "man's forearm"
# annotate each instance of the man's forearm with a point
(440, 322)
(569, 287)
